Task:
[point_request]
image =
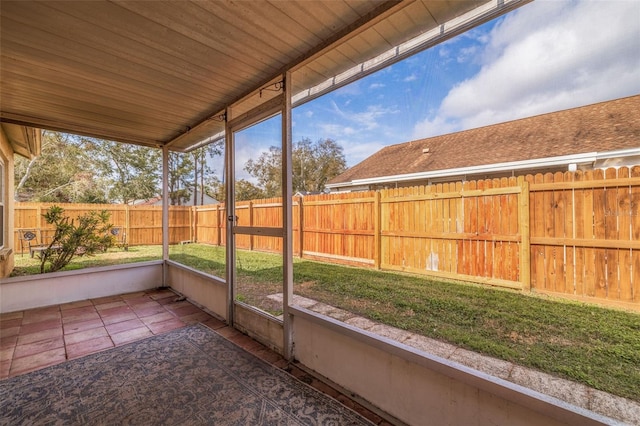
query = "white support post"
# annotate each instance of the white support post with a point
(230, 215)
(165, 214)
(287, 213)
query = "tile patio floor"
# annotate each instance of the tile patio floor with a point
(37, 338)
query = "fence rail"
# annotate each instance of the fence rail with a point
(573, 233)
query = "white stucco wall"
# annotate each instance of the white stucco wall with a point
(19, 293)
(418, 388)
(204, 289)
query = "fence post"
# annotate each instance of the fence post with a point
(251, 224)
(39, 219)
(127, 231)
(525, 236)
(193, 223)
(218, 230)
(300, 226)
(377, 225)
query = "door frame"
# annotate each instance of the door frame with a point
(279, 105)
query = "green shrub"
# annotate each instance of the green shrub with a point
(82, 237)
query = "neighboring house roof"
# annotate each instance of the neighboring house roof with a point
(579, 132)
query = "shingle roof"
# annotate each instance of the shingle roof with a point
(600, 127)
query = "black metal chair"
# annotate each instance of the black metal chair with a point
(29, 238)
(120, 236)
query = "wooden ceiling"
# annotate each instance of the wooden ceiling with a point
(156, 73)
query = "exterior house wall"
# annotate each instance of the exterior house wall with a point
(6, 252)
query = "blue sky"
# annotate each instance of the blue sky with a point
(546, 56)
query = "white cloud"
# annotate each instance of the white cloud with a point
(355, 152)
(369, 119)
(335, 131)
(467, 53)
(546, 56)
(410, 78)
(376, 86)
(435, 126)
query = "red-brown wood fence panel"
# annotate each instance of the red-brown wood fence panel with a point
(340, 227)
(471, 231)
(585, 233)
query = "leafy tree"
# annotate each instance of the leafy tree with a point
(267, 170)
(61, 173)
(245, 190)
(130, 172)
(215, 188)
(86, 170)
(201, 168)
(84, 237)
(313, 165)
(180, 172)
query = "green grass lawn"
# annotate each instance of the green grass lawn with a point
(26, 265)
(596, 346)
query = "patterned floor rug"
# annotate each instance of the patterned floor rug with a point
(190, 376)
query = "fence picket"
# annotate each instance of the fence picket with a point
(635, 236)
(589, 252)
(611, 217)
(623, 198)
(599, 232)
(579, 233)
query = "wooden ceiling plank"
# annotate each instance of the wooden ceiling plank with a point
(88, 62)
(57, 106)
(241, 40)
(170, 90)
(263, 18)
(65, 113)
(28, 75)
(143, 35)
(42, 91)
(74, 127)
(124, 48)
(182, 21)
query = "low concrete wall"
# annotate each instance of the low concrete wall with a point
(419, 388)
(260, 326)
(34, 291)
(204, 289)
(210, 292)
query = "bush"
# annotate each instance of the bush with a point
(84, 237)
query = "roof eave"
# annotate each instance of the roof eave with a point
(538, 163)
(25, 141)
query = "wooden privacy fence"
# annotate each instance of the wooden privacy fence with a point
(142, 224)
(573, 233)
